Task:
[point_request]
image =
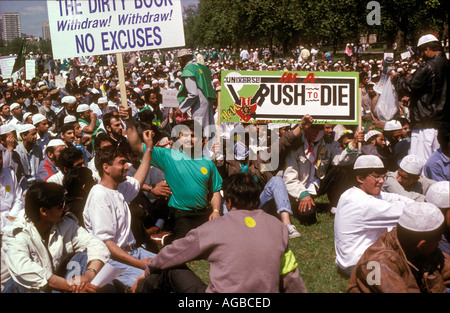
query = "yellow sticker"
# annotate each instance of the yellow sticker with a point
(204, 170)
(7, 188)
(250, 222)
(200, 71)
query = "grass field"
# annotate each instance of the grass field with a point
(314, 252)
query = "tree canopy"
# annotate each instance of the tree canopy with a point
(288, 23)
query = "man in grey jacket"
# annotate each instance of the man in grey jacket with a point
(237, 245)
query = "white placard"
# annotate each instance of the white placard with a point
(6, 65)
(106, 275)
(98, 27)
(388, 54)
(169, 98)
(30, 69)
(405, 55)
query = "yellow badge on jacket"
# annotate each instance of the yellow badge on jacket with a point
(250, 222)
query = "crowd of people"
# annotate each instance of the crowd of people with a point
(87, 179)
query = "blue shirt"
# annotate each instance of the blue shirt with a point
(437, 166)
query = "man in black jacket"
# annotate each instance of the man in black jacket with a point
(427, 89)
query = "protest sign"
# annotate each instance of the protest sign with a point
(30, 69)
(6, 66)
(97, 27)
(169, 98)
(269, 96)
(405, 55)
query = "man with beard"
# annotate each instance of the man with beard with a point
(107, 215)
(69, 104)
(375, 144)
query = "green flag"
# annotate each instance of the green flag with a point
(20, 60)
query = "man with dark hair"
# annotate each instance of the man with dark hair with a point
(193, 178)
(364, 212)
(406, 259)
(107, 214)
(78, 182)
(37, 248)
(69, 158)
(225, 243)
(427, 88)
(114, 127)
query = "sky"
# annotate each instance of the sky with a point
(34, 12)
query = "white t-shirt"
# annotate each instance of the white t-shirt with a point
(107, 215)
(360, 219)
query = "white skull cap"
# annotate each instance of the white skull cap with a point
(368, 161)
(421, 217)
(25, 127)
(412, 164)
(392, 125)
(439, 194)
(69, 119)
(56, 142)
(370, 134)
(37, 118)
(426, 39)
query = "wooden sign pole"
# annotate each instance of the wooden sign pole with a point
(123, 89)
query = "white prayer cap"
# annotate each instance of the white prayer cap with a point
(14, 105)
(102, 100)
(412, 164)
(7, 128)
(137, 90)
(55, 142)
(439, 194)
(83, 108)
(368, 161)
(26, 114)
(421, 217)
(370, 134)
(37, 118)
(25, 127)
(426, 39)
(69, 119)
(68, 99)
(273, 126)
(146, 86)
(392, 125)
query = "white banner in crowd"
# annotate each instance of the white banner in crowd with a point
(98, 27)
(30, 69)
(6, 66)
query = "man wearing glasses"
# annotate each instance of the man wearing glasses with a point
(364, 212)
(46, 251)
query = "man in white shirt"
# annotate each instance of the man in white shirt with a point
(11, 204)
(107, 215)
(364, 212)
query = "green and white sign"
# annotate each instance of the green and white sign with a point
(273, 96)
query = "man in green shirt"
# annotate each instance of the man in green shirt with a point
(193, 178)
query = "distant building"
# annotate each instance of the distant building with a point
(45, 30)
(10, 25)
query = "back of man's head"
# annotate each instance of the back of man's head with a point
(241, 191)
